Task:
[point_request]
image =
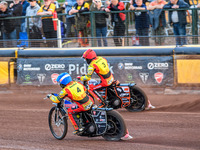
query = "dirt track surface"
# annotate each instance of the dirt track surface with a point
(174, 124)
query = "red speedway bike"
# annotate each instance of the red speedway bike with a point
(104, 122)
(119, 95)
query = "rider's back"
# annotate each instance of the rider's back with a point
(75, 91)
(101, 67)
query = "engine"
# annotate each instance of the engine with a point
(91, 128)
(115, 102)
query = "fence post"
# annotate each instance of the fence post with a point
(93, 28)
(59, 38)
(126, 27)
(194, 26)
(27, 29)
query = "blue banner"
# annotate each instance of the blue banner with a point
(145, 71)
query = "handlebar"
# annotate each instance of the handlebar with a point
(84, 83)
(78, 77)
(48, 96)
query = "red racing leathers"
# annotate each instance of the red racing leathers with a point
(76, 92)
(100, 66)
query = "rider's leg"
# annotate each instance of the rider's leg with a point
(72, 112)
(97, 95)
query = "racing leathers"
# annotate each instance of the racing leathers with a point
(100, 66)
(76, 92)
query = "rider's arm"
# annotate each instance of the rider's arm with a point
(59, 97)
(89, 74)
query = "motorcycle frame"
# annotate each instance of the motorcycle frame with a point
(64, 109)
(123, 105)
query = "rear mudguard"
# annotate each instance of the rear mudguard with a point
(127, 84)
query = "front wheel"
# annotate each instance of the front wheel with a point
(116, 127)
(58, 123)
(138, 99)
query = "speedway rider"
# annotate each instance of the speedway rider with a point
(100, 66)
(76, 92)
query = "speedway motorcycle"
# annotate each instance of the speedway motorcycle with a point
(104, 122)
(118, 95)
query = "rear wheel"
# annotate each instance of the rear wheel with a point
(58, 123)
(138, 99)
(116, 127)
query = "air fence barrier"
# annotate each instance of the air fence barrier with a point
(159, 67)
(62, 41)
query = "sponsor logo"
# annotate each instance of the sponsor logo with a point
(110, 81)
(54, 77)
(41, 77)
(158, 77)
(144, 77)
(124, 95)
(93, 81)
(102, 120)
(53, 98)
(88, 106)
(120, 66)
(73, 106)
(152, 66)
(101, 126)
(27, 79)
(76, 68)
(97, 87)
(103, 113)
(19, 67)
(62, 93)
(125, 89)
(130, 66)
(49, 67)
(28, 67)
(119, 89)
(125, 100)
(130, 77)
(94, 112)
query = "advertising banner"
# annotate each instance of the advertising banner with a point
(147, 71)
(188, 71)
(4, 72)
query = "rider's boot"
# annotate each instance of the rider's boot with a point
(78, 127)
(149, 106)
(80, 130)
(127, 136)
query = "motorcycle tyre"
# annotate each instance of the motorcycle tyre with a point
(64, 122)
(141, 92)
(117, 137)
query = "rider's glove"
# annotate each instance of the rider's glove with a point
(49, 95)
(55, 94)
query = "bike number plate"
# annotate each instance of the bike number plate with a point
(100, 120)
